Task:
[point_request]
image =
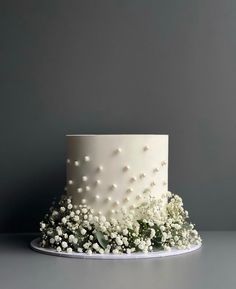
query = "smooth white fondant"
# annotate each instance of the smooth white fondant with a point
(156, 254)
(108, 165)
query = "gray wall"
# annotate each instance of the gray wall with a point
(118, 67)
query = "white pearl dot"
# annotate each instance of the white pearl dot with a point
(113, 211)
(79, 190)
(127, 199)
(99, 213)
(143, 175)
(126, 168)
(117, 203)
(130, 190)
(83, 201)
(84, 178)
(146, 148)
(109, 198)
(100, 168)
(98, 182)
(97, 197)
(138, 197)
(118, 150)
(87, 188)
(133, 179)
(163, 163)
(70, 182)
(86, 158)
(68, 161)
(113, 186)
(76, 163)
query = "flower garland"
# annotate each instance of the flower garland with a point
(153, 225)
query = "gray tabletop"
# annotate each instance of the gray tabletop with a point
(213, 266)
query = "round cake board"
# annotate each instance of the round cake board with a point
(156, 254)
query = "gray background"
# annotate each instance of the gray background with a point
(118, 67)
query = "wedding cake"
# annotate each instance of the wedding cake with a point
(116, 199)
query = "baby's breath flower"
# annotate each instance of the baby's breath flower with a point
(64, 244)
(76, 218)
(119, 241)
(96, 246)
(70, 206)
(62, 209)
(69, 250)
(58, 249)
(52, 241)
(64, 220)
(83, 231)
(125, 232)
(115, 251)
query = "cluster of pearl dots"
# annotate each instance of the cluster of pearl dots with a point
(113, 187)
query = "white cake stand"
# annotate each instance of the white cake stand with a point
(157, 254)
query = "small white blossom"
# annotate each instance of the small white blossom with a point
(83, 231)
(76, 218)
(128, 251)
(125, 232)
(57, 238)
(71, 238)
(64, 244)
(115, 251)
(152, 233)
(58, 249)
(101, 251)
(62, 209)
(52, 241)
(84, 211)
(119, 241)
(96, 246)
(64, 220)
(70, 206)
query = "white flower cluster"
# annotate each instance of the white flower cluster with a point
(153, 225)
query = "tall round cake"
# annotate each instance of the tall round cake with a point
(116, 199)
(111, 171)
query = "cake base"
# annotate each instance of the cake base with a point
(157, 254)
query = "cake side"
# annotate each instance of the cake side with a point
(109, 172)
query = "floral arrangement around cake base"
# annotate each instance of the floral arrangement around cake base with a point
(153, 225)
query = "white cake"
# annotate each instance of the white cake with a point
(117, 199)
(111, 171)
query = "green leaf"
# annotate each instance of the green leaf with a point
(101, 240)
